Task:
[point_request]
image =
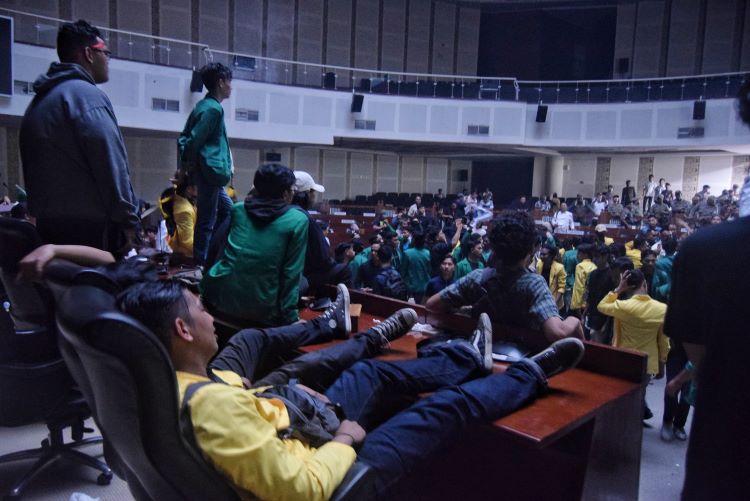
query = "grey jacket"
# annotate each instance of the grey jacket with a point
(74, 160)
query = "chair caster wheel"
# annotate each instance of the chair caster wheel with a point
(104, 479)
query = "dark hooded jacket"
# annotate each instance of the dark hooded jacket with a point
(256, 279)
(74, 159)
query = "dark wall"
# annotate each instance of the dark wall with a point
(508, 178)
(552, 44)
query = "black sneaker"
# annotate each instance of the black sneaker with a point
(337, 315)
(395, 326)
(562, 355)
(481, 339)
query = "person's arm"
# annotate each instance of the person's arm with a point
(32, 266)
(695, 353)
(243, 445)
(100, 137)
(662, 342)
(555, 328)
(579, 286)
(464, 292)
(291, 270)
(193, 140)
(185, 222)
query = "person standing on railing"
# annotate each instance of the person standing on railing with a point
(73, 155)
(204, 151)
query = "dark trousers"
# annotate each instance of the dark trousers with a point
(676, 409)
(394, 448)
(647, 203)
(213, 206)
(263, 355)
(98, 234)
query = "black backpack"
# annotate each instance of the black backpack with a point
(394, 285)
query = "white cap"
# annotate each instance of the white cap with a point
(305, 182)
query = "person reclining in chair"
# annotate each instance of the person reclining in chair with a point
(250, 438)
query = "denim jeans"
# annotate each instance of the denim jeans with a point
(394, 448)
(676, 409)
(213, 206)
(263, 355)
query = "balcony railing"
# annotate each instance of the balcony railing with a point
(42, 30)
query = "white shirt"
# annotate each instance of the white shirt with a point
(651, 188)
(599, 207)
(412, 210)
(563, 220)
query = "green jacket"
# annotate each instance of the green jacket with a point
(661, 284)
(463, 268)
(203, 143)
(416, 266)
(570, 261)
(257, 277)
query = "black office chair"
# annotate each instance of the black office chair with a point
(31, 365)
(136, 403)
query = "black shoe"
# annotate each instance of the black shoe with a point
(647, 414)
(395, 326)
(337, 315)
(562, 355)
(481, 339)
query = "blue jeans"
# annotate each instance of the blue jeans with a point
(213, 206)
(394, 448)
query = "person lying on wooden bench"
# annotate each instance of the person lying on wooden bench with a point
(258, 439)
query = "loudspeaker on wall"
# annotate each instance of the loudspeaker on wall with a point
(699, 110)
(541, 113)
(357, 100)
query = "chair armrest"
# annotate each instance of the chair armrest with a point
(358, 484)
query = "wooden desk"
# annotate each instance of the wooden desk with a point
(580, 441)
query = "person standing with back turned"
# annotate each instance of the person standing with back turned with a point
(73, 155)
(204, 151)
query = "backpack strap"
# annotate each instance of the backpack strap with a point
(186, 424)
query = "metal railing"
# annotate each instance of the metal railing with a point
(42, 30)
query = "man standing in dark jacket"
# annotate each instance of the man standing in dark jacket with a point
(320, 267)
(74, 159)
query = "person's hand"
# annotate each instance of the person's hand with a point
(31, 267)
(350, 433)
(623, 285)
(314, 393)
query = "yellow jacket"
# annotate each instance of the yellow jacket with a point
(237, 433)
(638, 326)
(608, 241)
(583, 269)
(635, 256)
(557, 277)
(184, 214)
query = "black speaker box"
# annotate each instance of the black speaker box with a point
(541, 113)
(329, 80)
(357, 100)
(699, 110)
(196, 83)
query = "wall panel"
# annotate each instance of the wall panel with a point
(648, 39)
(436, 175)
(387, 174)
(308, 160)
(366, 34)
(175, 20)
(279, 37)
(135, 15)
(412, 175)
(467, 47)
(626, 17)
(361, 169)
(393, 35)
(684, 23)
(719, 36)
(334, 174)
(418, 36)
(309, 40)
(248, 26)
(443, 38)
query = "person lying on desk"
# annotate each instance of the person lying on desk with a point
(508, 292)
(244, 431)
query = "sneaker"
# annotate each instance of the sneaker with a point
(337, 315)
(679, 433)
(647, 413)
(562, 355)
(481, 339)
(667, 433)
(395, 326)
